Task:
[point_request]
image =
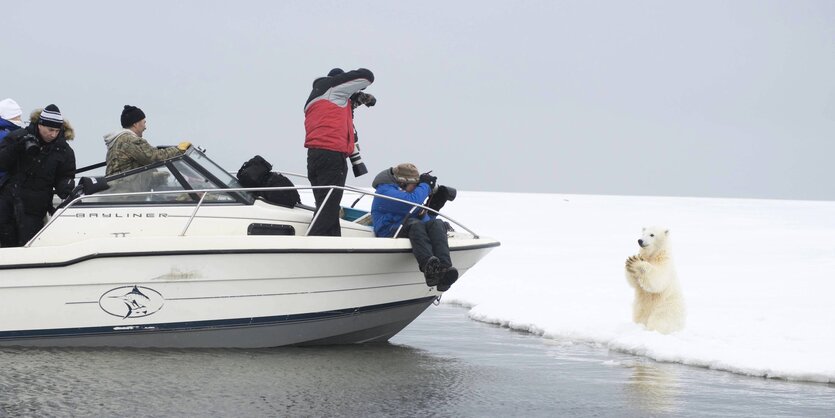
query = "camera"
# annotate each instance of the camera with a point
(356, 161)
(448, 191)
(359, 98)
(440, 195)
(31, 146)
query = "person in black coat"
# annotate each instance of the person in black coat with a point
(39, 164)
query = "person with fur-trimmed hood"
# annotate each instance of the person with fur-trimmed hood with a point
(126, 149)
(427, 234)
(39, 164)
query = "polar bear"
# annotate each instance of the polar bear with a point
(659, 303)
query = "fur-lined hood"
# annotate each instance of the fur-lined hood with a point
(69, 132)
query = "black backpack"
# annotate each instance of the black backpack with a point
(287, 198)
(256, 173)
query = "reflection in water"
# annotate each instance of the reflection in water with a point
(442, 365)
(353, 380)
(653, 388)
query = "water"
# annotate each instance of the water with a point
(441, 365)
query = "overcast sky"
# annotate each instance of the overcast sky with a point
(701, 98)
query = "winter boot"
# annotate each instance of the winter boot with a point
(450, 276)
(432, 271)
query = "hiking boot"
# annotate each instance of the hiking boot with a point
(450, 276)
(432, 271)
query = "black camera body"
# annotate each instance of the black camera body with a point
(31, 145)
(361, 98)
(440, 195)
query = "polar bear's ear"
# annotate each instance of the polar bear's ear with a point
(644, 229)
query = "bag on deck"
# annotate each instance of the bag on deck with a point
(256, 173)
(287, 198)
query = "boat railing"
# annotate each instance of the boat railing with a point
(204, 192)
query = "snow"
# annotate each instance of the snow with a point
(758, 276)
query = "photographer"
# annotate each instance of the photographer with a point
(39, 163)
(330, 138)
(427, 234)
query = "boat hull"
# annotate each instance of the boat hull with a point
(348, 326)
(199, 292)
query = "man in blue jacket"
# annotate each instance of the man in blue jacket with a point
(427, 234)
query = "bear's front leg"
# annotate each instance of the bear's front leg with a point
(640, 271)
(631, 272)
(651, 278)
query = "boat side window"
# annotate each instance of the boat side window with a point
(198, 181)
(156, 179)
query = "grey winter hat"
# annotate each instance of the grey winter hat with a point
(51, 117)
(335, 71)
(406, 173)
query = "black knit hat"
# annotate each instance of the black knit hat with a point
(131, 115)
(335, 71)
(51, 117)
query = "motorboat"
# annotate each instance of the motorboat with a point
(178, 254)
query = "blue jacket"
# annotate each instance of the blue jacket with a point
(5, 128)
(389, 214)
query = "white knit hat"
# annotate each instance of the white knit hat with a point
(9, 109)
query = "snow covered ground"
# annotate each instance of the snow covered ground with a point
(758, 276)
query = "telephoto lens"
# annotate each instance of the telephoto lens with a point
(451, 193)
(356, 161)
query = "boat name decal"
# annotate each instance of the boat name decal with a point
(131, 301)
(120, 215)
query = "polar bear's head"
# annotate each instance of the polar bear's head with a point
(654, 239)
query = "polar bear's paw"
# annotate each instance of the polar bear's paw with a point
(636, 265)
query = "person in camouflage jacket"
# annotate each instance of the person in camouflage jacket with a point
(126, 149)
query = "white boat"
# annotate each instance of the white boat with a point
(177, 254)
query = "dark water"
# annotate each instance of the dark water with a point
(441, 365)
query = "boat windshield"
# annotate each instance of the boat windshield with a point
(191, 171)
(213, 169)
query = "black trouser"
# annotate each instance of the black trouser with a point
(428, 239)
(16, 226)
(326, 168)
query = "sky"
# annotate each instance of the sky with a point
(658, 98)
(756, 277)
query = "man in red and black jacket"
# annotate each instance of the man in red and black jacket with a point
(330, 139)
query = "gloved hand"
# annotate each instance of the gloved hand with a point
(184, 146)
(429, 179)
(361, 98)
